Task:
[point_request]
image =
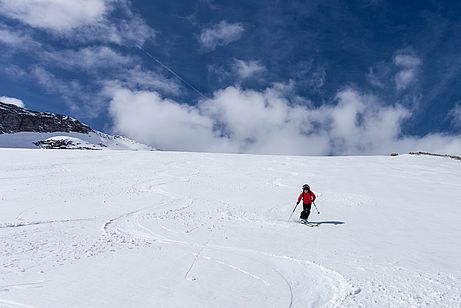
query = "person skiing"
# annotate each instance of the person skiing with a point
(308, 197)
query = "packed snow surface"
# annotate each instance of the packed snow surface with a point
(162, 229)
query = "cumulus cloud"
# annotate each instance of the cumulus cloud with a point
(221, 34)
(81, 20)
(408, 65)
(147, 117)
(247, 69)
(270, 122)
(12, 101)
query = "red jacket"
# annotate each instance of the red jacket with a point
(309, 197)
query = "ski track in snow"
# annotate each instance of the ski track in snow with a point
(197, 255)
(129, 225)
(13, 304)
(341, 288)
(33, 223)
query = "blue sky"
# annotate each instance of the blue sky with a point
(288, 77)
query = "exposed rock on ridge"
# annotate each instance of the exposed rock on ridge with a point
(16, 119)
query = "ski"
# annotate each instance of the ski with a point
(310, 224)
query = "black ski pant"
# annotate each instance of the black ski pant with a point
(306, 210)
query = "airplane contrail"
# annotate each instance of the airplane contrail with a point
(172, 72)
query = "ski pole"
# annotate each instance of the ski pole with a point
(316, 207)
(293, 211)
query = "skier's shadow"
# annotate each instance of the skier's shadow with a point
(329, 222)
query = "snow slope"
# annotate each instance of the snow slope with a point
(162, 229)
(95, 139)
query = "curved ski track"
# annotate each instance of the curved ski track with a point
(131, 227)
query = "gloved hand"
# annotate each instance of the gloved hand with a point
(297, 203)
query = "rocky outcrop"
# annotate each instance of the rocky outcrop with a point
(62, 142)
(16, 119)
(438, 155)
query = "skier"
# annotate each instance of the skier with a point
(308, 197)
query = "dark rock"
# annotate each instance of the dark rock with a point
(15, 119)
(435, 154)
(62, 144)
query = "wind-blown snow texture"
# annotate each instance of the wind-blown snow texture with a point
(160, 229)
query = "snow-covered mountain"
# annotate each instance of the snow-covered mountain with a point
(163, 229)
(22, 128)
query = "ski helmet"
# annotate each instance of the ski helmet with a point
(306, 187)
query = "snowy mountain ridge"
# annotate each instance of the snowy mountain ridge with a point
(23, 128)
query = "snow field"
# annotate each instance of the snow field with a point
(162, 229)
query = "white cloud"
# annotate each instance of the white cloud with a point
(51, 83)
(247, 69)
(56, 15)
(247, 121)
(81, 20)
(404, 78)
(128, 31)
(137, 78)
(379, 74)
(89, 58)
(407, 60)
(12, 101)
(148, 118)
(11, 38)
(16, 38)
(408, 65)
(14, 72)
(77, 97)
(221, 34)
